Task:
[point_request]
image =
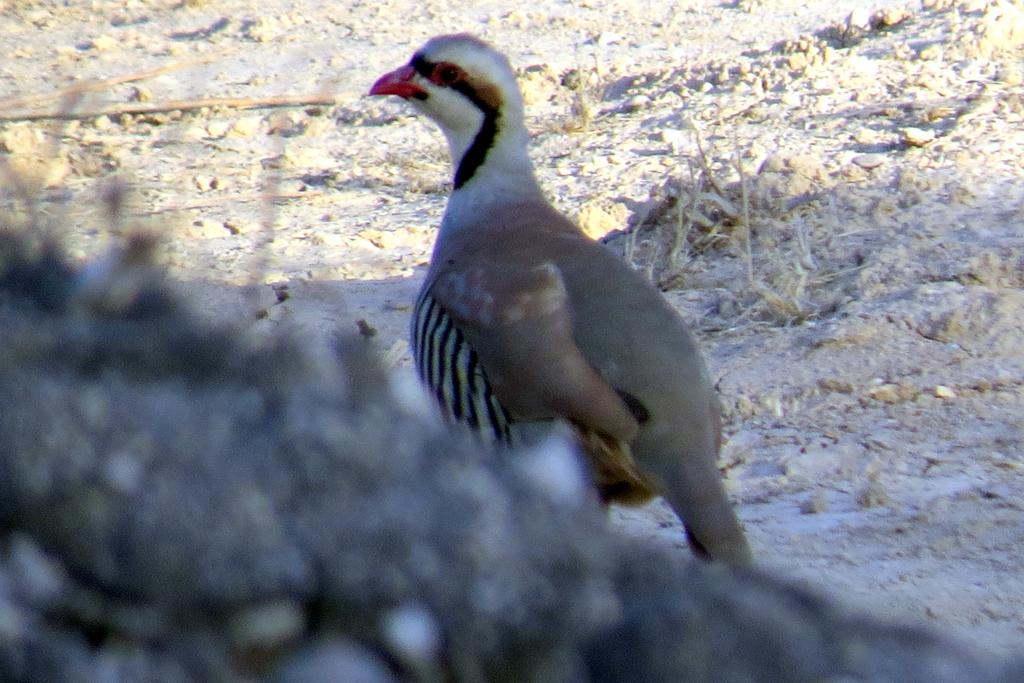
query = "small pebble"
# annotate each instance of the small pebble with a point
(412, 632)
(207, 228)
(817, 503)
(218, 128)
(916, 137)
(930, 53)
(869, 161)
(272, 623)
(638, 103)
(247, 126)
(860, 18)
(886, 393)
(102, 43)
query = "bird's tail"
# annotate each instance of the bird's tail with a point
(696, 493)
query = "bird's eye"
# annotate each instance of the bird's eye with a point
(446, 74)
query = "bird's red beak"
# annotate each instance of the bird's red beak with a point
(398, 82)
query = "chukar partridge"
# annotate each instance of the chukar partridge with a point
(523, 319)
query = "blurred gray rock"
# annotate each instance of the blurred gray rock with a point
(179, 502)
(333, 661)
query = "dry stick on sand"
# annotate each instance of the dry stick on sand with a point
(77, 90)
(270, 102)
(89, 86)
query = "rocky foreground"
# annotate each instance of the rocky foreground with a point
(179, 502)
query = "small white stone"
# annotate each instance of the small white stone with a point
(22, 138)
(677, 139)
(207, 228)
(916, 137)
(218, 128)
(859, 18)
(553, 466)
(194, 133)
(886, 393)
(123, 472)
(271, 623)
(608, 38)
(103, 43)
(245, 127)
(413, 632)
(407, 390)
(869, 161)
(942, 391)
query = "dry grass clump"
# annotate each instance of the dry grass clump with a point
(720, 225)
(580, 82)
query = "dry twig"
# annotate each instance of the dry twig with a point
(90, 86)
(270, 102)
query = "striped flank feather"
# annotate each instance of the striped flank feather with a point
(451, 369)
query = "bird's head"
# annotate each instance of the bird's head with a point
(466, 87)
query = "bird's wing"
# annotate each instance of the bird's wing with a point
(519, 322)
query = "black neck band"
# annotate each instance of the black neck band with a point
(476, 154)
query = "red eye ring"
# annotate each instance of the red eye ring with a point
(446, 74)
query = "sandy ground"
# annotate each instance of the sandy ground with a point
(830, 193)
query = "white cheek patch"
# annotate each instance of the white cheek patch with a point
(458, 118)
